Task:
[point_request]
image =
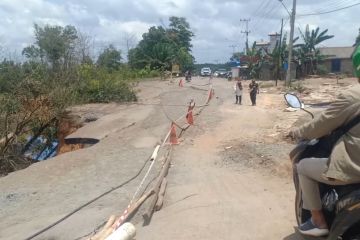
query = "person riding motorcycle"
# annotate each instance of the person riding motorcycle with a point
(343, 165)
(188, 75)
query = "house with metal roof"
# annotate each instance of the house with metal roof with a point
(338, 59)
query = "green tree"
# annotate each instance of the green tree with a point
(33, 53)
(185, 59)
(155, 50)
(161, 47)
(278, 56)
(10, 75)
(180, 32)
(110, 58)
(237, 56)
(306, 53)
(313, 38)
(254, 59)
(55, 43)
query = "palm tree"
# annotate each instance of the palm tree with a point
(306, 53)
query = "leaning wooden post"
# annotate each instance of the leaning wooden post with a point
(164, 171)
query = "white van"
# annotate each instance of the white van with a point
(206, 71)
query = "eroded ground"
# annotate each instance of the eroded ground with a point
(230, 176)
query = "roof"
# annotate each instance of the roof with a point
(262, 43)
(337, 52)
(274, 34)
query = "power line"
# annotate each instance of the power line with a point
(282, 3)
(233, 47)
(329, 5)
(261, 14)
(335, 10)
(271, 7)
(268, 18)
(259, 7)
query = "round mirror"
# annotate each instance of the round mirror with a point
(292, 100)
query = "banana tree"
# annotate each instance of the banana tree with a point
(306, 54)
(278, 56)
(254, 58)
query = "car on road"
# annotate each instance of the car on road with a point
(206, 71)
(221, 73)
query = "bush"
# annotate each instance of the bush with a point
(33, 97)
(107, 90)
(98, 85)
(297, 87)
(322, 70)
(267, 84)
(29, 109)
(127, 73)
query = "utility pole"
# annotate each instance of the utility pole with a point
(247, 33)
(233, 47)
(292, 24)
(280, 53)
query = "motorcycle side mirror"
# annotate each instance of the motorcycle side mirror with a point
(292, 100)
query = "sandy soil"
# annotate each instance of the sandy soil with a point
(232, 180)
(229, 178)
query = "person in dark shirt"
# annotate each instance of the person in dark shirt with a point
(254, 90)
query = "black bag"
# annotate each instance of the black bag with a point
(325, 145)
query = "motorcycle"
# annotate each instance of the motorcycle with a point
(229, 76)
(341, 204)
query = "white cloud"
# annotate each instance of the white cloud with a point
(215, 22)
(114, 29)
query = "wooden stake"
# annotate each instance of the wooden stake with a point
(160, 200)
(164, 171)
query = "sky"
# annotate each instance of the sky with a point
(216, 23)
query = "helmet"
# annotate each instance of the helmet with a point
(356, 61)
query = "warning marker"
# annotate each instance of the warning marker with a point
(190, 118)
(209, 95)
(181, 83)
(173, 136)
(189, 115)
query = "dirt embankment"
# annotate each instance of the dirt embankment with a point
(68, 124)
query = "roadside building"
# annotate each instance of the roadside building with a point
(274, 40)
(268, 46)
(337, 59)
(262, 45)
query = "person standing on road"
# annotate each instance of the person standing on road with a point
(254, 90)
(238, 91)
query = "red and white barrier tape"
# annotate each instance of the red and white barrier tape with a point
(125, 214)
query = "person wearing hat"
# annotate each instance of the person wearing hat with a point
(343, 165)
